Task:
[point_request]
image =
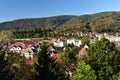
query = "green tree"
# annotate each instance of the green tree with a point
(19, 69)
(4, 65)
(65, 60)
(45, 69)
(87, 28)
(73, 53)
(83, 72)
(116, 77)
(85, 40)
(104, 59)
(6, 34)
(25, 72)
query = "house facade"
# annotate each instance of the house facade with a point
(76, 42)
(59, 43)
(28, 49)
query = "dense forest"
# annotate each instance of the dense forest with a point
(58, 25)
(35, 23)
(99, 22)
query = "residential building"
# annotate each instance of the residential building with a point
(83, 51)
(59, 43)
(76, 42)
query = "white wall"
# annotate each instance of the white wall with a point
(60, 44)
(76, 42)
(113, 38)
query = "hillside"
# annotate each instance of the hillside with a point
(35, 22)
(99, 22)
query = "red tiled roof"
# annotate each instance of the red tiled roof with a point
(83, 52)
(56, 56)
(12, 45)
(51, 41)
(28, 42)
(29, 62)
(18, 44)
(22, 45)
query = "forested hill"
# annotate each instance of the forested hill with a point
(104, 21)
(35, 22)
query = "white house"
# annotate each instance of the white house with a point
(59, 43)
(16, 49)
(12, 49)
(76, 42)
(113, 38)
(27, 53)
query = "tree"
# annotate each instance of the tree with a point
(6, 34)
(85, 40)
(92, 25)
(25, 72)
(4, 65)
(19, 69)
(73, 53)
(116, 77)
(12, 66)
(65, 60)
(104, 59)
(83, 72)
(46, 67)
(87, 28)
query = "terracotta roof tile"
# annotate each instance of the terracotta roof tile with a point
(83, 52)
(56, 56)
(29, 62)
(28, 42)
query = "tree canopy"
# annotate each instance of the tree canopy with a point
(83, 72)
(104, 59)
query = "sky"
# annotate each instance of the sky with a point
(18, 9)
